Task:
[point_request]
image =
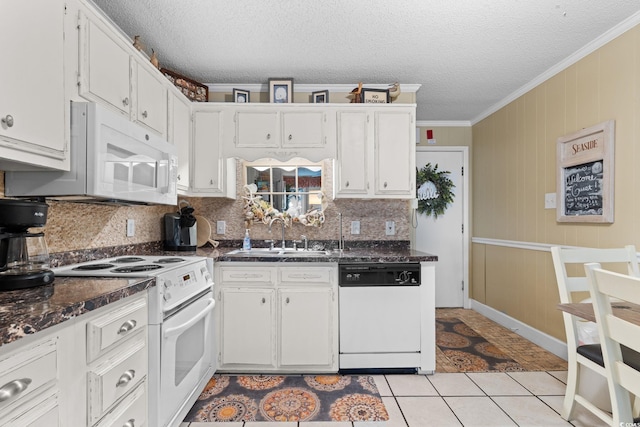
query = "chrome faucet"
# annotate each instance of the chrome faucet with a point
(283, 224)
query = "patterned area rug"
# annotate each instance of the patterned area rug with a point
(468, 351)
(289, 398)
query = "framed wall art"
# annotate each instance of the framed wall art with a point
(585, 175)
(375, 96)
(240, 95)
(320, 97)
(190, 88)
(281, 90)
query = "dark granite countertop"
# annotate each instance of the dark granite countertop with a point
(381, 255)
(27, 311)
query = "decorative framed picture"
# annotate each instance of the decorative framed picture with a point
(585, 175)
(281, 90)
(320, 97)
(192, 89)
(375, 96)
(240, 95)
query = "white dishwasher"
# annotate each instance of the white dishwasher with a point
(380, 312)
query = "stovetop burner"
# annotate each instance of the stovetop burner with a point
(92, 267)
(137, 268)
(128, 259)
(169, 260)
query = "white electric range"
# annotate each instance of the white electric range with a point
(180, 310)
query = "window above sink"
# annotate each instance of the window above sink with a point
(289, 190)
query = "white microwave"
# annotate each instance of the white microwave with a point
(112, 160)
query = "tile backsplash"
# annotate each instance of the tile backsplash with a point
(75, 226)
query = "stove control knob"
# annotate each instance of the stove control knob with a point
(166, 283)
(166, 296)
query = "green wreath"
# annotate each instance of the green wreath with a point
(430, 202)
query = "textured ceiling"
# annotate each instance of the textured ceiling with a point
(468, 55)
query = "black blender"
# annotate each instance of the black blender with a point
(24, 257)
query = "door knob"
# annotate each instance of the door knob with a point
(7, 120)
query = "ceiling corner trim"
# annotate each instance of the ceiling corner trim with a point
(600, 41)
(442, 123)
(341, 88)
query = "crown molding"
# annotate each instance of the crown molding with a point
(346, 88)
(596, 44)
(443, 123)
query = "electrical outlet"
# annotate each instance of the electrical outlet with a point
(355, 227)
(550, 201)
(131, 227)
(390, 228)
(221, 227)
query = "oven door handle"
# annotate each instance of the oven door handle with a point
(179, 329)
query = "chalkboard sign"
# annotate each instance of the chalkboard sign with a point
(585, 175)
(583, 189)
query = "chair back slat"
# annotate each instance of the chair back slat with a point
(614, 332)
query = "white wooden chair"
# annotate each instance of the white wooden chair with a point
(619, 338)
(587, 356)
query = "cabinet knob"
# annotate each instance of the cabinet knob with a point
(7, 120)
(268, 136)
(125, 101)
(126, 378)
(211, 181)
(264, 300)
(13, 388)
(286, 301)
(127, 326)
(144, 114)
(178, 177)
(130, 423)
(290, 137)
(346, 184)
(385, 184)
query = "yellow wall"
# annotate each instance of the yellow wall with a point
(514, 159)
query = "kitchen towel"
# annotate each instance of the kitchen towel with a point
(469, 351)
(289, 398)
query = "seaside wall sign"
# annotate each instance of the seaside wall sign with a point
(585, 175)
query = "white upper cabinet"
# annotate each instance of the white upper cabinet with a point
(34, 119)
(180, 136)
(151, 99)
(113, 73)
(213, 175)
(376, 152)
(105, 70)
(280, 132)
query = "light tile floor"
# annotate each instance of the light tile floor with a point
(494, 399)
(450, 398)
(458, 399)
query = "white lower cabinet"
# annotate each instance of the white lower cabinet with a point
(87, 371)
(282, 318)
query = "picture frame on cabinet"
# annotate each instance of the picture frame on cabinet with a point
(240, 95)
(320, 97)
(375, 96)
(281, 90)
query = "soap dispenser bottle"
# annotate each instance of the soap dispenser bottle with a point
(246, 244)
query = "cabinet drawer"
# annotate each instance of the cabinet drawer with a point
(248, 275)
(132, 410)
(41, 411)
(106, 331)
(28, 371)
(305, 275)
(116, 376)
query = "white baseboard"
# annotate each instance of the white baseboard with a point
(549, 343)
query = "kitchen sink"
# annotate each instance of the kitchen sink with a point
(276, 252)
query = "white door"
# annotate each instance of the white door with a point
(444, 236)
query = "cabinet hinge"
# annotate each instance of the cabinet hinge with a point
(463, 285)
(462, 170)
(367, 118)
(462, 228)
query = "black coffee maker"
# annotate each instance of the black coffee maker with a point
(180, 232)
(24, 257)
